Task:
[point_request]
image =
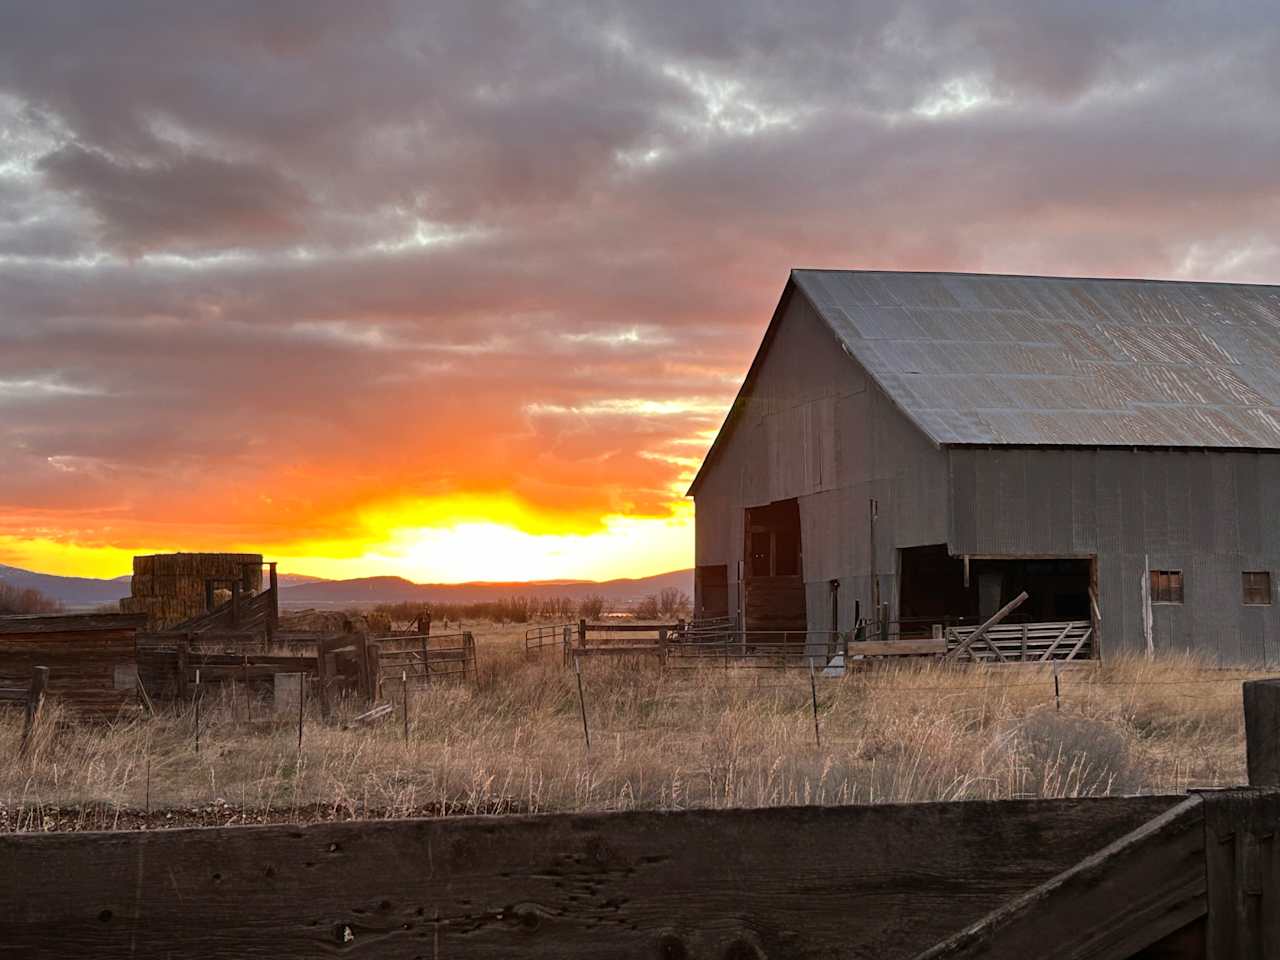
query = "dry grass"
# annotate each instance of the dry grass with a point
(674, 739)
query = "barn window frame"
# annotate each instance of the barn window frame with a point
(1256, 587)
(1167, 586)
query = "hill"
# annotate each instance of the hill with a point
(373, 590)
(69, 591)
(299, 590)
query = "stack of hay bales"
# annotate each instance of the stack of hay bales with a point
(170, 587)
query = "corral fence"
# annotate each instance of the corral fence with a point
(423, 659)
(543, 636)
(1179, 877)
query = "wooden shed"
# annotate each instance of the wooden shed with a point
(923, 447)
(93, 669)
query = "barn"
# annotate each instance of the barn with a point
(918, 449)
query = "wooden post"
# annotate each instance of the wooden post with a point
(1022, 657)
(183, 646)
(273, 613)
(302, 699)
(373, 657)
(582, 633)
(35, 700)
(1262, 731)
(813, 690)
(469, 641)
(235, 603)
(197, 709)
(582, 702)
(404, 694)
(662, 643)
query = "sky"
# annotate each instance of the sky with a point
(463, 291)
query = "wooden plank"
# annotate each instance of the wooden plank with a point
(977, 634)
(1129, 895)
(899, 648)
(70, 623)
(1079, 644)
(1048, 654)
(868, 882)
(1243, 874)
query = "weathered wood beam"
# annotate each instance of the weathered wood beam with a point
(873, 881)
(1129, 895)
(1262, 731)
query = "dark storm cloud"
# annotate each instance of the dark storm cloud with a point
(337, 245)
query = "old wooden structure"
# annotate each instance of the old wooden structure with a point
(1128, 878)
(92, 668)
(925, 446)
(173, 588)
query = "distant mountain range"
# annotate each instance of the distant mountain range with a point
(299, 590)
(70, 591)
(373, 590)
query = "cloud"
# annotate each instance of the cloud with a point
(321, 257)
(181, 203)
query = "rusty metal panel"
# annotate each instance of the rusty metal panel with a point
(986, 359)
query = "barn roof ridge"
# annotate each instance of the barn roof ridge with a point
(1004, 360)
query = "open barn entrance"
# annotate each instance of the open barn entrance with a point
(773, 575)
(933, 587)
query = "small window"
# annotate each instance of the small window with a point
(1166, 586)
(1257, 587)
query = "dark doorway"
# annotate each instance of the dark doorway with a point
(773, 568)
(932, 587)
(711, 591)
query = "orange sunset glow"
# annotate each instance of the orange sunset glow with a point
(463, 292)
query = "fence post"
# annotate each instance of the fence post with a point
(35, 700)
(582, 702)
(1262, 731)
(662, 644)
(813, 690)
(198, 698)
(567, 643)
(469, 641)
(582, 633)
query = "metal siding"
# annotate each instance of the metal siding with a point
(1064, 361)
(1138, 510)
(813, 427)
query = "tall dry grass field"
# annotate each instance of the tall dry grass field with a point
(513, 742)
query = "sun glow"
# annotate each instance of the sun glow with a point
(452, 540)
(485, 549)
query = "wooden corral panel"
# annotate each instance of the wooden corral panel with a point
(90, 658)
(865, 882)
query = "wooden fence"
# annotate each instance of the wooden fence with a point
(1027, 642)
(1129, 878)
(90, 658)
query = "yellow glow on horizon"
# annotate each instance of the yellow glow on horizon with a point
(452, 540)
(43, 555)
(487, 550)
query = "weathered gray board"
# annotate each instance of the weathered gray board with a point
(865, 882)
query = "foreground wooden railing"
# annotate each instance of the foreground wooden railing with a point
(1106, 878)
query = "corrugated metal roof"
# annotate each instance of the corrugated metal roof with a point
(989, 359)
